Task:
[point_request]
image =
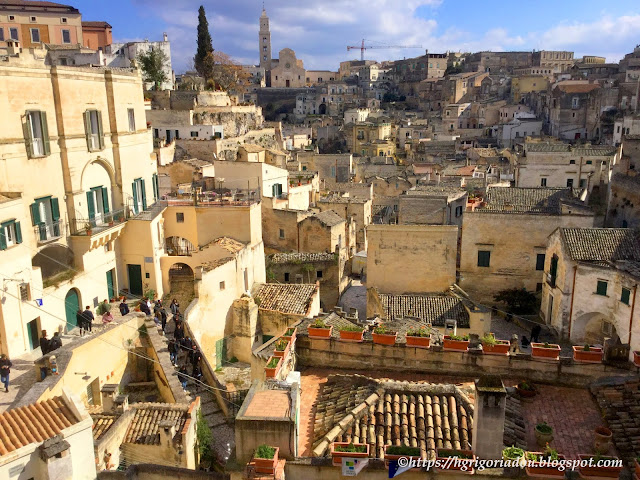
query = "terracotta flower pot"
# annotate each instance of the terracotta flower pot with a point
(388, 457)
(271, 372)
(594, 355)
(455, 345)
(539, 351)
(636, 468)
(292, 336)
(602, 440)
(535, 469)
(595, 471)
(462, 465)
(500, 348)
(526, 393)
(315, 332)
(351, 336)
(384, 338)
(636, 358)
(284, 352)
(267, 465)
(420, 342)
(337, 456)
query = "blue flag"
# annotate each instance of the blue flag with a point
(395, 469)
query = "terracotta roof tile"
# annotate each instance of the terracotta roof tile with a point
(285, 258)
(143, 428)
(328, 218)
(269, 403)
(434, 309)
(601, 244)
(286, 298)
(102, 423)
(528, 200)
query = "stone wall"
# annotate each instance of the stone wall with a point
(200, 149)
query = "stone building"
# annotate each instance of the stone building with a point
(557, 61)
(624, 188)
(590, 285)
(504, 242)
(350, 207)
(575, 109)
(289, 71)
(432, 205)
(131, 50)
(96, 35)
(373, 139)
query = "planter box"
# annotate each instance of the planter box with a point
(455, 345)
(636, 359)
(636, 468)
(526, 393)
(536, 469)
(608, 472)
(284, 353)
(461, 465)
(351, 336)
(420, 342)
(272, 372)
(291, 338)
(319, 332)
(384, 338)
(551, 353)
(390, 457)
(337, 456)
(267, 465)
(500, 348)
(594, 355)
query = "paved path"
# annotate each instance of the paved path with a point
(355, 297)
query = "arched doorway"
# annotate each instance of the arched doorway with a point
(592, 328)
(322, 109)
(181, 283)
(71, 307)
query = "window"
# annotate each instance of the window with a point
(35, 35)
(132, 119)
(66, 36)
(319, 274)
(264, 58)
(222, 286)
(139, 195)
(333, 171)
(264, 49)
(601, 288)
(33, 19)
(543, 182)
(281, 233)
(570, 182)
(25, 295)
(45, 216)
(583, 183)
(98, 204)
(572, 162)
(13, 33)
(93, 130)
(626, 294)
(12, 18)
(36, 134)
(154, 184)
(458, 211)
(194, 134)
(538, 287)
(589, 162)
(63, 20)
(179, 217)
(286, 275)
(575, 102)
(484, 258)
(1, 34)
(10, 234)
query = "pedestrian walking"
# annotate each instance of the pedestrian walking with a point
(195, 355)
(174, 307)
(183, 376)
(163, 319)
(80, 321)
(44, 343)
(173, 352)
(124, 308)
(5, 370)
(88, 318)
(178, 333)
(196, 373)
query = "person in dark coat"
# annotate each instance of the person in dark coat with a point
(163, 314)
(45, 344)
(178, 333)
(80, 321)
(195, 355)
(88, 318)
(196, 373)
(173, 352)
(174, 307)
(124, 308)
(535, 333)
(5, 370)
(144, 307)
(55, 342)
(183, 376)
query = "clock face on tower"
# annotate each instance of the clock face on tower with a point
(287, 65)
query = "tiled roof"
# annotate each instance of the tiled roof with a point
(96, 24)
(284, 258)
(435, 190)
(528, 200)
(352, 408)
(329, 218)
(30, 3)
(286, 298)
(581, 150)
(601, 244)
(101, 423)
(269, 403)
(212, 265)
(434, 309)
(229, 244)
(143, 428)
(579, 88)
(341, 199)
(34, 423)
(332, 319)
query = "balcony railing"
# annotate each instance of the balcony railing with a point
(180, 250)
(101, 222)
(47, 232)
(217, 198)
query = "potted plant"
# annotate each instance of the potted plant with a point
(544, 463)
(265, 459)
(464, 462)
(549, 351)
(492, 346)
(351, 333)
(512, 454)
(282, 348)
(319, 329)
(349, 450)
(544, 434)
(587, 354)
(395, 452)
(526, 390)
(602, 439)
(418, 337)
(456, 343)
(88, 227)
(290, 334)
(383, 336)
(273, 367)
(592, 469)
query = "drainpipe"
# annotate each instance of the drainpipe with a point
(633, 306)
(580, 175)
(573, 289)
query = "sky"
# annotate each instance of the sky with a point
(319, 31)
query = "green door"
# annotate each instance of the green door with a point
(71, 307)
(32, 331)
(111, 290)
(221, 352)
(135, 279)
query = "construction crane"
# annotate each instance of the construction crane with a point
(362, 47)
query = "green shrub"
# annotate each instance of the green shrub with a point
(281, 345)
(488, 339)
(458, 338)
(418, 332)
(403, 450)
(319, 323)
(273, 363)
(351, 448)
(351, 328)
(512, 453)
(265, 451)
(453, 453)
(383, 330)
(544, 428)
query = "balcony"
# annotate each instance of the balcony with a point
(235, 197)
(49, 232)
(98, 224)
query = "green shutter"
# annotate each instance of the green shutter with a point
(3, 238)
(144, 195)
(55, 209)
(91, 205)
(46, 144)
(601, 288)
(35, 213)
(28, 135)
(105, 199)
(135, 197)
(154, 181)
(18, 232)
(626, 295)
(87, 128)
(100, 131)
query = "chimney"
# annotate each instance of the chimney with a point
(167, 430)
(108, 392)
(121, 403)
(13, 47)
(437, 178)
(489, 413)
(165, 37)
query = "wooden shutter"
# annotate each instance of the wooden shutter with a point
(3, 238)
(28, 135)
(91, 206)
(18, 232)
(35, 213)
(105, 199)
(154, 181)
(100, 131)
(135, 197)
(87, 128)
(144, 195)
(55, 209)
(46, 144)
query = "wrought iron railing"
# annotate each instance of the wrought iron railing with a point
(99, 223)
(46, 232)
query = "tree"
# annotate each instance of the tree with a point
(203, 61)
(518, 300)
(227, 74)
(453, 69)
(153, 64)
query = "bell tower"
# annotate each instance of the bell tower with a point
(264, 42)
